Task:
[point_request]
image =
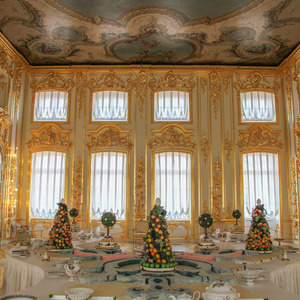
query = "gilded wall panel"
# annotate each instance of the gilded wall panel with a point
(141, 91)
(217, 190)
(139, 207)
(215, 91)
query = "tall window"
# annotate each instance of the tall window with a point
(108, 184)
(110, 106)
(51, 106)
(173, 183)
(261, 181)
(171, 106)
(258, 107)
(47, 182)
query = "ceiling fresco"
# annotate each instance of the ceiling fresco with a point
(198, 32)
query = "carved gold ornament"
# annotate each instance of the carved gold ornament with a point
(49, 136)
(172, 136)
(217, 192)
(215, 91)
(45, 224)
(12, 192)
(109, 136)
(81, 91)
(4, 121)
(289, 90)
(52, 81)
(228, 146)
(17, 84)
(259, 136)
(203, 84)
(226, 84)
(139, 212)
(76, 184)
(204, 146)
(141, 90)
(297, 134)
(5, 63)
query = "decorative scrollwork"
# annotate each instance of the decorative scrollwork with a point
(81, 82)
(228, 146)
(204, 146)
(52, 81)
(203, 84)
(260, 136)
(50, 136)
(5, 63)
(76, 184)
(139, 213)
(217, 194)
(215, 91)
(297, 134)
(141, 90)
(172, 136)
(289, 90)
(4, 121)
(109, 136)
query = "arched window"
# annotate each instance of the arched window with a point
(47, 182)
(173, 183)
(108, 187)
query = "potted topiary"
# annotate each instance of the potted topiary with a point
(108, 220)
(236, 228)
(236, 214)
(205, 221)
(73, 213)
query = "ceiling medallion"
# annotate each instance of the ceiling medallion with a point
(49, 48)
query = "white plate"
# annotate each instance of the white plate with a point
(63, 297)
(19, 297)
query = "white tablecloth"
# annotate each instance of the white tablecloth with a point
(19, 275)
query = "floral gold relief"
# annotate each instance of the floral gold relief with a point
(173, 136)
(228, 146)
(259, 136)
(76, 185)
(81, 91)
(18, 81)
(204, 146)
(5, 63)
(203, 84)
(289, 90)
(297, 134)
(109, 136)
(217, 191)
(139, 212)
(215, 91)
(49, 135)
(141, 90)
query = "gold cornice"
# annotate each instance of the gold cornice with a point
(110, 80)
(204, 146)
(172, 136)
(259, 136)
(139, 206)
(109, 136)
(215, 91)
(49, 136)
(172, 81)
(52, 81)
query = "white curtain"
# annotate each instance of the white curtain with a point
(173, 183)
(47, 182)
(110, 105)
(258, 106)
(51, 106)
(171, 105)
(108, 184)
(261, 181)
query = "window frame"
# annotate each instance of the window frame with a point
(153, 190)
(189, 92)
(91, 122)
(51, 121)
(257, 122)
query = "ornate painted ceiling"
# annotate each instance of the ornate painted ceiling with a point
(204, 32)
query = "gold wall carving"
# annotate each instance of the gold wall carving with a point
(255, 81)
(52, 81)
(205, 208)
(141, 91)
(76, 185)
(228, 146)
(5, 62)
(293, 205)
(18, 82)
(297, 134)
(217, 191)
(203, 84)
(45, 224)
(226, 84)
(81, 91)
(172, 136)
(4, 123)
(228, 210)
(259, 136)
(215, 91)
(49, 136)
(110, 80)
(172, 225)
(12, 193)
(109, 136)
(289, 90)
(204, 146)
(139, 207)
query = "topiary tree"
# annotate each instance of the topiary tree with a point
(236, 214)
(205, 221)
(73, 213)
(108, 220)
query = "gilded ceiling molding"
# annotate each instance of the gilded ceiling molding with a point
(228, 146)
(109, 136)
(141, 90)
(172, 81)
(293, 205)
(217, 192)
(255, 81)
(204, 146)
(259, 136)
(49, 136)
(172, 136)
(76, 185)
(110, 80)
(5, 63)
(139, 212)
(52, 81)
(215, 91)
(81, 91)
(203, 84)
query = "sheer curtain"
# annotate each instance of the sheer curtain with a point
(110, 105)
(258, 106)
(173, 183)
(50, 106)
(261, 181)
(47, 182)
(108, 184)
(171, 105)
